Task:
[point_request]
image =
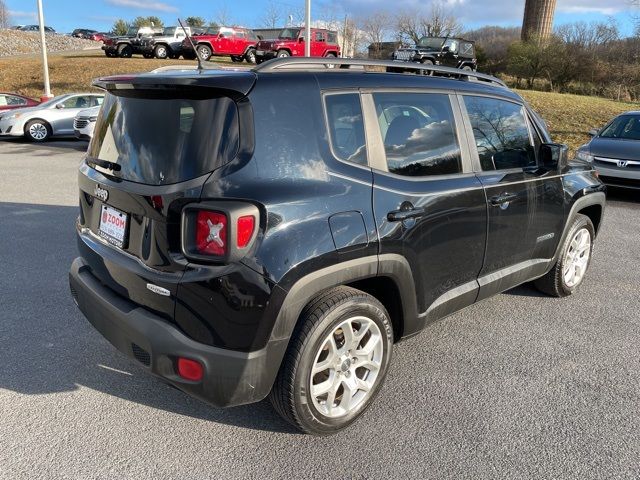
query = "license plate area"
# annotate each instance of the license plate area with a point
(113, 226)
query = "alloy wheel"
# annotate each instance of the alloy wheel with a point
(346, 367)
(576, 259)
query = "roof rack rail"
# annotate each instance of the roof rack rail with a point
(390, 66)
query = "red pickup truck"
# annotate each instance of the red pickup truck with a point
(238, 43)
(290, 43)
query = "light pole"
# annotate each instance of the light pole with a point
(307, 35)
(45, 63)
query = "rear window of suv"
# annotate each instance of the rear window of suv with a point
(160, 140)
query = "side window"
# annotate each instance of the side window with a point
(466, 49)
(241, 35)
(73, 102)
(332, 37)
(501, 133)
(418, 133)
(452, 44)
(319, 36)
(346, 127)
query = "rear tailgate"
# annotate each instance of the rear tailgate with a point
(157, 139)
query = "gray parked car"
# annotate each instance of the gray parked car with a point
(615, 151)
(52, 118)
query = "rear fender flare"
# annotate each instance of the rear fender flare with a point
(392, 266)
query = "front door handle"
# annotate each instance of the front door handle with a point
(407, 211)
(502, 199)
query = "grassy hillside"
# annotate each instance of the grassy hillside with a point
(73, 72)
(569, 117)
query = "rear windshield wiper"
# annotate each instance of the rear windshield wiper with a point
(104, 164)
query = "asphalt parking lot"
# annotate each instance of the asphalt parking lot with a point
(519, 386)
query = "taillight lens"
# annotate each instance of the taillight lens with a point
(211, 233)
(245, 228)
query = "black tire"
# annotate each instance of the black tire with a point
(189, 56)
(426, 61)
(205, 52)
(236, 59)
(282, 54)
(250, 56)
(37, 130)
(553, 283)
(290, 395)
(125, 51)
(467, 68)
(161, 52)
(259, 60)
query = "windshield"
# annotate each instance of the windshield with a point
(132, 32)
(169, 31)
(164, 138)
(289, 33)
(212, 31)
(52, 101)
(626, 127)
(431, 43)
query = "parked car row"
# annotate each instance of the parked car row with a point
(238, 43)
(55, 117)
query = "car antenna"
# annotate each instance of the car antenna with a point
(200, 67)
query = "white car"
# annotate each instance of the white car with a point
(85, 122)
(52, 118)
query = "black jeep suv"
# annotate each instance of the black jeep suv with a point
(275, 231)
(445, 51)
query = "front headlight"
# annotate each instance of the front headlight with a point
(584, 156)
(12, 116)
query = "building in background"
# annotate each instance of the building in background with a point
(538, 19)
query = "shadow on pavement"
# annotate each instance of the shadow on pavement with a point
(22, 145)
(46, 345)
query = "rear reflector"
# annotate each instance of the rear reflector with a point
(246, 225)
(211, 233)
(190, 369)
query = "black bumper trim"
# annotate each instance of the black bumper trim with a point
(231, 377)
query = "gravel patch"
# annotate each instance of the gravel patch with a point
(15, 42)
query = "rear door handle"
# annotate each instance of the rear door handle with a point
(407, 211)
(502, 199)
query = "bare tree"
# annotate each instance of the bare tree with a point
(222, 16)
(376, 27)
(350, 37)
(4, 15)
(438, 21)
(272, 16)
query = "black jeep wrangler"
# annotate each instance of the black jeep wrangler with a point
(445, 51)
(275, 231)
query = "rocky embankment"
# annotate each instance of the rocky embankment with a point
(14, 42)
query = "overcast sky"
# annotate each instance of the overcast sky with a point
(65, 15)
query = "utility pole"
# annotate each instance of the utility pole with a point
(307, 35)
(45, 63)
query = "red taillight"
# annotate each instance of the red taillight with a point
(245, 227)
(211, 233)
(190, 369)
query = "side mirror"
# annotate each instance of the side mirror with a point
(554, 156)
(446, 49)
(60, 106)
(221, 35)
(593, 133)
(301, 40)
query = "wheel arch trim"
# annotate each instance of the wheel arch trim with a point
(303, 290)
(585, 199)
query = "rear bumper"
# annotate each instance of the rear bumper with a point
(231, 377)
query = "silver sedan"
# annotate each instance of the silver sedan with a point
(52, 118)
